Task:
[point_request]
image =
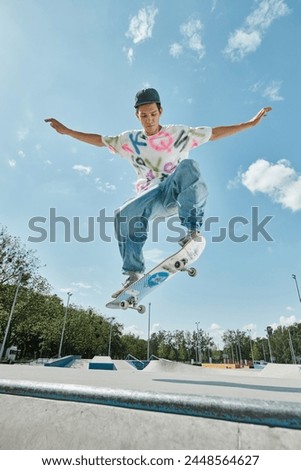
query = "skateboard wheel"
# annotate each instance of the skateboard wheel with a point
(141, 309)
(179, 265)
(124, 304)
(192, 272)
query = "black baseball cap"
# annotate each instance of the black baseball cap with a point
(146, 96)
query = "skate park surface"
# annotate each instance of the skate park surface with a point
(108, 404)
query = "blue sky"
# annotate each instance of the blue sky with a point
(214, 62)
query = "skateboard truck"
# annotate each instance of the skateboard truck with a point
(181, 266)
(132, 303)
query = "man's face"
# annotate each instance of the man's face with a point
(149, 116)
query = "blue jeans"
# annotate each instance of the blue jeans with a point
(183, 192)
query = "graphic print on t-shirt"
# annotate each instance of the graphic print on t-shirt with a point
(157, 156)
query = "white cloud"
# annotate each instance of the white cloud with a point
(191, 27)
(278, 180)
(12, 163)
(66, 290)
(83, 170)
(130, 55)
(251, 329)
(242, 43)
(192, 39)
(257, 87)
(104, 187)
(289, 309)
(249, 37)
(267, 12)
(236, 181)
(155, 327)
(133, 330)
(249, 326)
(140, 28)
(287, 321)
(213, 7)
(216, 332)
(176, 50)
(129, 51)
(270, 90)
(195, 43)
(21, 154)
(141, 25)
(81, 285)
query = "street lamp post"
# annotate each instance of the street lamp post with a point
(64, 324)
(148, 331)
(239, 351)
(291, 346)
(269, 331)
(263, 350)
(297, 287)
(110, 337)
(232, 352)
(11, 314)
(289, 333)
(249, 331)
(197, 356)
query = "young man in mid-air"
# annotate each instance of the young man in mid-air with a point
(168, 183)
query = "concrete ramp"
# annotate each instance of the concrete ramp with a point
(164, 365)
(106, 363)
(124, 365)
(292, 371)
(80, 364)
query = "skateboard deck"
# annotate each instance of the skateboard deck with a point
(180, 261)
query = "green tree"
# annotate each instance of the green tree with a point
(15, 259)
(237, 345)
(133, 345)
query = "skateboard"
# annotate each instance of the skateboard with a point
(180, 261)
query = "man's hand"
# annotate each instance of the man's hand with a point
(225, 131)
(262, 113)
(58, 126)
(93, 139)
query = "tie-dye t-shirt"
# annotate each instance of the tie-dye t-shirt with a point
(155, 157)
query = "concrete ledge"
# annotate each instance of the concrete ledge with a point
(101, 363)
(251, 411)
(66, 361)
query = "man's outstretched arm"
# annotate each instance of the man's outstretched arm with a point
(225, 131)
(94, 139)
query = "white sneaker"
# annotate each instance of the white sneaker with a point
(133, 277)
(191, 235)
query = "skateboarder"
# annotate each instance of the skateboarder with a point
(168, 183)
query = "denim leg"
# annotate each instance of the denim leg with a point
(131, 228)
(183, 192)
(186, 188)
